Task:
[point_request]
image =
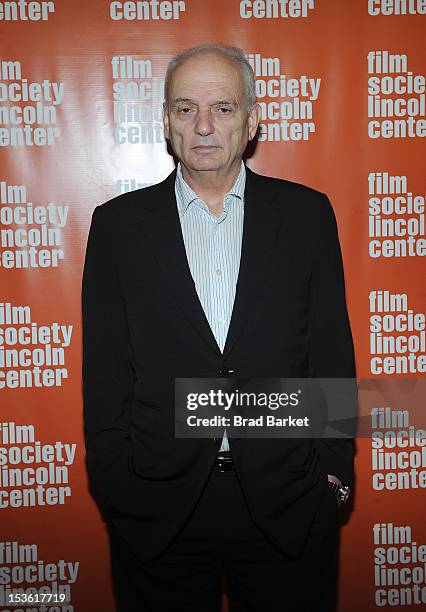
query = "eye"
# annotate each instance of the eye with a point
(184, 110)
(223, 110)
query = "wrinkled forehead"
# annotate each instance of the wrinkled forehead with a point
(207, 74)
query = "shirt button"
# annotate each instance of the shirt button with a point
(222, 320)
(219, 272)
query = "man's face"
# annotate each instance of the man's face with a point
(206, 117)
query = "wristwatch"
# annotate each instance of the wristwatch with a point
(340, 490)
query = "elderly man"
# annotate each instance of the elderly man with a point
(216, 271)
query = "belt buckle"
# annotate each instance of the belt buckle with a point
(224, 462)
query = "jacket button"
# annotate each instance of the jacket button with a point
(225, 371)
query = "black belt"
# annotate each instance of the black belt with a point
(224, 461)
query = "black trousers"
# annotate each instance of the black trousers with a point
(220, 540)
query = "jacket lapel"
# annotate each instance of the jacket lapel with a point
(164, 232)
(262, 222)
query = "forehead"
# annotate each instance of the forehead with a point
(206, 74)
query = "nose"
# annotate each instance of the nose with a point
(204, 124)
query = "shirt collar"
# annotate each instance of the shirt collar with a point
(185, 195)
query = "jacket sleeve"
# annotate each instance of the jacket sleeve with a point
(331, 351)
(108, 378)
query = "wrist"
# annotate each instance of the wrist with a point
(332, 478)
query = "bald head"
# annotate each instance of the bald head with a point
(234, 55)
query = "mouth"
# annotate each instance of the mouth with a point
(204, 148)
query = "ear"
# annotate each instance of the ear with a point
(165, 120)
(253, 120)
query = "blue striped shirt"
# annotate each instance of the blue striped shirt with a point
(213, 250)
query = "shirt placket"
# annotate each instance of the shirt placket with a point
(219, 284)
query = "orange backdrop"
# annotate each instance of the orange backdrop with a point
(343, 110)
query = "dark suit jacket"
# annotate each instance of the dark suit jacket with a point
(143, 326)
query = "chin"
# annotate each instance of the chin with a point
(204, 164)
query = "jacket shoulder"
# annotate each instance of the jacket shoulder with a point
(290, 196)
(287, 187)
